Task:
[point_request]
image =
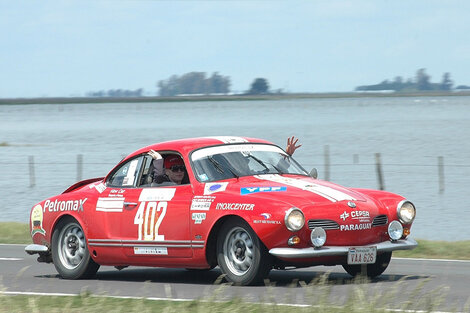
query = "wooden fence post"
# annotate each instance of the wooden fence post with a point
(32, 176)
(79, 166)
(378, 167)
(327, 162)
(440, 165)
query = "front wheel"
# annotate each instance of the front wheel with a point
(70, 253)
(241, 255)
(373, 270)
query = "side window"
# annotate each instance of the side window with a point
(128, 174)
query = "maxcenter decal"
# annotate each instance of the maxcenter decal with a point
(198, 217)
(326, 192)
(202, 203)
(211, 188)
(356, 226)
(36, 221)
(67, 205)
(235, 206)
(250, 190)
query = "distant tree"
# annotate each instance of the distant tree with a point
(446, 83)
(423, 80)
(194, 83)
(259, 86)
(462, 87)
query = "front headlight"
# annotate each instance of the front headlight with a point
(395, 230)
(406, 212)
(294, 219)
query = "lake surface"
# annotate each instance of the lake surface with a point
(410, 133)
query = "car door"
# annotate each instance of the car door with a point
(155, 218)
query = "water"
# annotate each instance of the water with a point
(409, 132)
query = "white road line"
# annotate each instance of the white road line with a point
(55, 294)
(433, 260)
(11, 259)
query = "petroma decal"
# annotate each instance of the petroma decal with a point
(68, 205)
(355, 227)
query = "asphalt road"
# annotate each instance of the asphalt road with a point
(406, 281)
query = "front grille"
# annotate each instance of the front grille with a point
(380, 220)
(325, 224)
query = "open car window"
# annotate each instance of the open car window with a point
(231, 161)
(128, 174)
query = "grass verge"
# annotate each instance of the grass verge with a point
(13, 232)
(318, 297)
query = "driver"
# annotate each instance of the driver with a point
(169, 170)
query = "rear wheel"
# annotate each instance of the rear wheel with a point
(241, 255)
(69, 251)
(373, 270)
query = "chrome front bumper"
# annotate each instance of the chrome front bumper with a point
(43, 251)
(386, 246)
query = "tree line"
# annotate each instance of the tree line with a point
(421, 82)
(192, 83)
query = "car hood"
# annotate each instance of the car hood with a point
(316, 198)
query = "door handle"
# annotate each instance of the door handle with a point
(130, 205)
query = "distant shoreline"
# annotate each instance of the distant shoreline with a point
(68, 100)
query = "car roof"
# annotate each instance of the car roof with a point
(184, 146)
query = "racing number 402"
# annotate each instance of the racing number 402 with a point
(145, 218)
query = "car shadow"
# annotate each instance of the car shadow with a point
(280, 278)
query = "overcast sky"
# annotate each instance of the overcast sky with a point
(68, 48)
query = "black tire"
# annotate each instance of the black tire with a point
(69, 251)
(373, 270)
(241, 256)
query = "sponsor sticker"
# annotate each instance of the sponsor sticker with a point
(66, 205)
(157, 194)
(235, 206)
(250, 190)
(326, 192)
(362, 216)
(198, 217)
(202, 203)
(350, 227)
(211, 188)
(36, 221)
(110, 204)
(151, 250)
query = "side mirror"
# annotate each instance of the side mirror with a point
(313, 173)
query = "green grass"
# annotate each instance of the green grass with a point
(318, 294)
(12, 232)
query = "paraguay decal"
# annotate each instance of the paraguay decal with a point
(250, 190)
(36, 221)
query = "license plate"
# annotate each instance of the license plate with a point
(362, 255)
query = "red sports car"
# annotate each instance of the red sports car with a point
(242, 204)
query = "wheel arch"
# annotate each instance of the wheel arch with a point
(211, 246)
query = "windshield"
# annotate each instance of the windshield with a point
(233, 161)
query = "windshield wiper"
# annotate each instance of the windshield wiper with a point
(259, 161)
(219, 168)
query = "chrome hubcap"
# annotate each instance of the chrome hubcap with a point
(71, 246)
(238, 251)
